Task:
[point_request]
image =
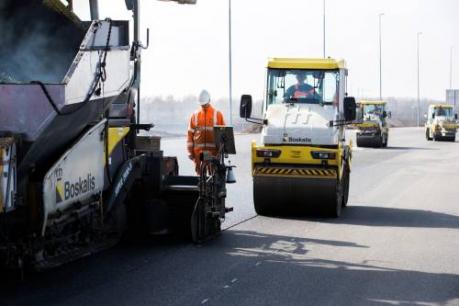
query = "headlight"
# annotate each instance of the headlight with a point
(323, 155)
(268, 153)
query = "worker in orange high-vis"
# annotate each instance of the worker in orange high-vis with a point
(201, 130)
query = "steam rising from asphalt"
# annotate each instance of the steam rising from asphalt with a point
(36, 43)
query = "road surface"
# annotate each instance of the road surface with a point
(396, 244)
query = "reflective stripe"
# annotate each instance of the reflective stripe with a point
(215, 117)
(205, 128)
(191, 130)
(205, 145)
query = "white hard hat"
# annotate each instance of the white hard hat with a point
(204, 97)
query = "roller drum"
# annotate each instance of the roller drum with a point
(283, 194)
(372, 142)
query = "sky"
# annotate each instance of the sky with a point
(189, 43)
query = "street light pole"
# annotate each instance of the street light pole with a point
(230, 65)
(451, 69)
(380, 58)
(419, 94)
(324, 29)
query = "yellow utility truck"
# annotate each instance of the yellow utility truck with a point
(303, 158)
(373, 130)
(441, 122)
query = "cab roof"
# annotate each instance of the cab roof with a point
(306, 63)
(375, 102)
(441, 105)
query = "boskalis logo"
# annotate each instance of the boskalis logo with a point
(68, 189)
(299, 139)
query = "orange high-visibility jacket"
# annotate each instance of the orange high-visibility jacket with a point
(200, 131)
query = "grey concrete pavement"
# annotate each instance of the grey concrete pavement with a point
(396, 244)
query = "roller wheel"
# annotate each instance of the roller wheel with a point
(386, 140)
(268, 197)
(346, 184)
(262, 208)
(428, 135)
(336, 206)
(379, 142)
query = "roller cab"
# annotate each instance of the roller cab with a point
(303, 159)
(373, 128)
(441, 122)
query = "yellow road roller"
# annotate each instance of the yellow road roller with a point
(303, 159)
(373, 130)
(441, 122)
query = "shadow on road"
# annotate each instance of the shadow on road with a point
(378, 216)
(338, 282)
(238, 268)
(395, 148)
(396, 217)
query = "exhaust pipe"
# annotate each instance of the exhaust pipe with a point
(94, 8)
